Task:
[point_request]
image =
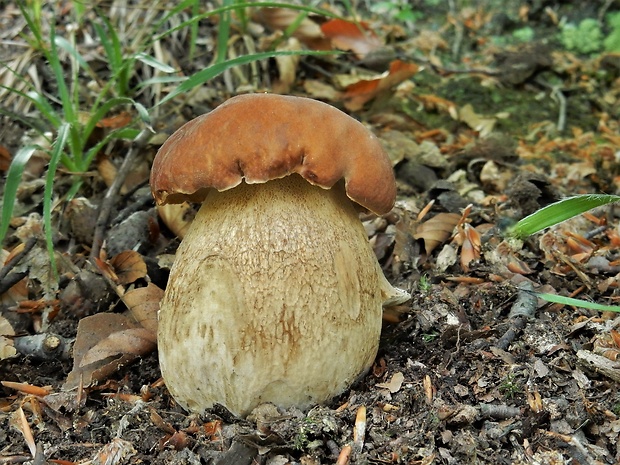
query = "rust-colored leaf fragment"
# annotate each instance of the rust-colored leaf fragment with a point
(129, 266)
(358, 94)
(470, 247)
(347, 35)
(279, 19)
(5, 158)
(26, 388)
(120, 120)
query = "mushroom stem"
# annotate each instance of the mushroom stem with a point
(275, 296)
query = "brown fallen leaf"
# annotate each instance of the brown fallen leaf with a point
(143, 303)
(19, 291)
(437, 230)
(104, 342)
(287, 66)
(128, 266)
(5, 158)
(470, 245)
(306, 31)
(126, 341)
(358, 94)
(138, 175)
(347, 35)
(394, 384)
(120, 120)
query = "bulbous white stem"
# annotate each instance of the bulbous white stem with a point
(275, 296)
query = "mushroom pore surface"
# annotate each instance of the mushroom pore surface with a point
(275, 296)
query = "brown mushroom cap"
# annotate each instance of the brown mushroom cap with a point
(259, 137)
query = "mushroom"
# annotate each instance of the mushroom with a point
(275, 294)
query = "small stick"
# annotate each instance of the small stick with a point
(110, 196)
(523, 309)
(359, 432)
(345, 455)
(14, 261)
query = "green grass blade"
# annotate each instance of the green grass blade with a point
(558, 212)
(154, 63)
(33, 21)
(193, 30)
(119, 66)
(70, 49)
(209, 73)
(122, 133)
(223, 33)
(13, 179)
(558, 299)
(55, 156)
(159, 80)
(59, 75)
(41, 104)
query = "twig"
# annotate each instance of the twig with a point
(7, 281)
(556, 93)
(44, 346)
(359, 432)
(573, 440)
(108, 201)
(12, 280)
(523, 309)
(559, 96)
(138, 205)
(345, 455)
(17, 258)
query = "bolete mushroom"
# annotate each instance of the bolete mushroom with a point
(275, 294)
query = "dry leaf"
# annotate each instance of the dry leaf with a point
(131, 341)
(483, 125)
(347, 35)
(19, 291)
(437, 230)
(138, 175)
(128, 266)
(104, 342)
(394, 384)
(143, 303)
(320, 90)
(470, 246)
(279, 19)
(7, 350)
(432, 102)
(287, 67)
(114, 122)
(177, 217)
(116, 452)
(5, 158)
(361, 92)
